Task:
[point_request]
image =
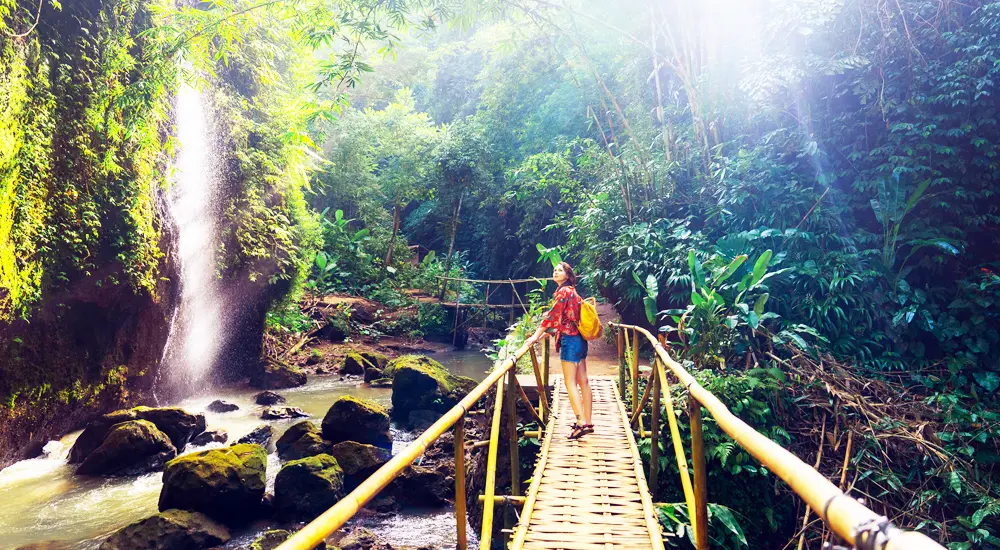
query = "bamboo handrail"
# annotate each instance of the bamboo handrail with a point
(335, 517)
(494, 281)
(847, 517)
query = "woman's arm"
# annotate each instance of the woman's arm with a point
(549, 320)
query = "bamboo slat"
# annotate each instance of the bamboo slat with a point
(588, 493)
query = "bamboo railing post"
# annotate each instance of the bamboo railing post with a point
(545, 368)
(622, 343)
(700, 515)
(515, 465)
(654, 436)
(486, 539)
(460, 516)
(635, 369)
(543, 390)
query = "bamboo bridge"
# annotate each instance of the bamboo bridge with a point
(592, 493)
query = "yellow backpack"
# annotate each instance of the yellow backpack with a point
(590, 325)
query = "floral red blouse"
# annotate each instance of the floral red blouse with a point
(565, 313)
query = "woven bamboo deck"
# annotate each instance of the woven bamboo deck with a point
(589, 494)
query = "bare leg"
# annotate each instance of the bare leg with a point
(586, 393)
(572, 391)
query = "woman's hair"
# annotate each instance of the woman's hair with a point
(570, 275)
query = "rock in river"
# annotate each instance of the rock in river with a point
(305, 488)
(422, 383)
(226, 484)
(211, 436)
(261, 435)
(273, 376)
(361, 420)
(169, 530)
(270, 540)
(130, 448)
(219, 406)
(268, 398)
(280, 413)
(179, 425)
(301, 440)
(358, 460)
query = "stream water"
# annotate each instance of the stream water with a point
(44, 505)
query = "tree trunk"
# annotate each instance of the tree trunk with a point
(395, 231)
(451, 245)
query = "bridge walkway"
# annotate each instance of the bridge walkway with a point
(590, 493)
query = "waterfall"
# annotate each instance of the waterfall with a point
(194, 339)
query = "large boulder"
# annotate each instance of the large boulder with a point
(300, 441)
(169, 530)
(305, 488)
(358, 460)
(273, 376)
(354, 363)
(179, 425)
(95, 432)
(361, 420)
(226, 484)
(422, 487)
(372, 373)
(362, 539)
(422, 383)
(130, 448)
(268, 398)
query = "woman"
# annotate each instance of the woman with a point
(562, 319)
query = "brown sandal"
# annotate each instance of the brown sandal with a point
(587, 429)
(578, 431)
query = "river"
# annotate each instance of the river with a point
(44, 505)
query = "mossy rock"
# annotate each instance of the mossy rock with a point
(377, 359)
(169, 530)
(226, 484)
(179, 425)
(305, 488)
(273, 376)
(130, 448)
(358, 460)
(300, 441)
(372, 373)
(269, 540)
(355, 363)
(408, 360)
(354, 419)
(381, 383)
(425, 384)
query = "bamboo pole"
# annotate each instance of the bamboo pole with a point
(654, 437)
(536, 478)
(515, 463)
(842, 513)
(524, 398)
(460, 515)
(637, 413)
(622, 358)
(635, 368)
(545, 368)
(486, 538)
(543, 389)
(699, 516)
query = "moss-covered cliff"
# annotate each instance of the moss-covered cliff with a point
(88, 268)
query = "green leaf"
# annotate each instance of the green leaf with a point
(724, 515)
(955, 481)
(650, 304)
(758, 307)
(988, 380)
(697, 300)
(652, 287)
(730, 269)
(696, 271)
(753, 320)
(760, 268)
(338, 215)
(321, 260)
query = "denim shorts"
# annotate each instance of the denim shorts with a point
(572, 349)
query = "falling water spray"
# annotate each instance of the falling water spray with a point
(193, 342)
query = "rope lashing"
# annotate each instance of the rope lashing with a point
(873, 534)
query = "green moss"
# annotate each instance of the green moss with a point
(411, 359)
